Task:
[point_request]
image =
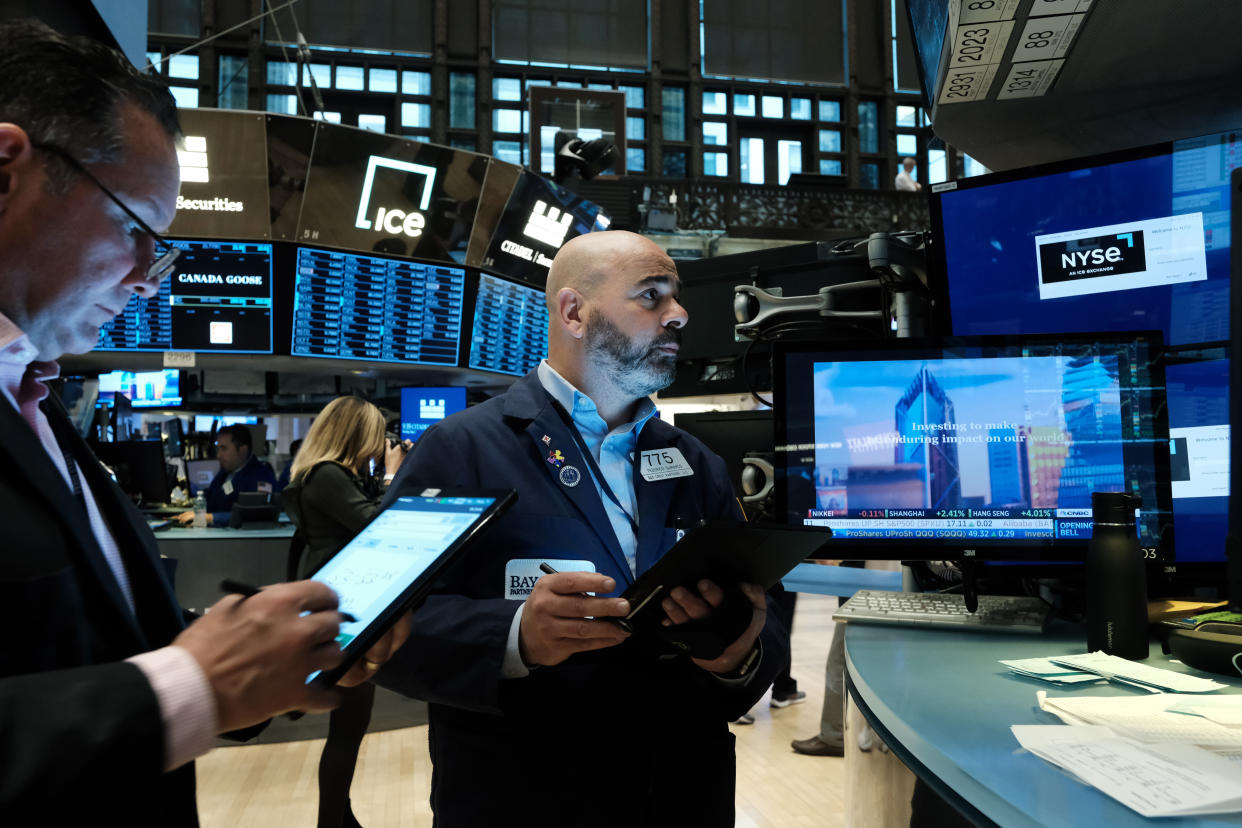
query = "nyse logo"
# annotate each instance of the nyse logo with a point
(390, 219)
(431, 409)
(192, 157)
(1093, 256)
(548, 224)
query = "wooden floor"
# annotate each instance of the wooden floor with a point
(274, 785)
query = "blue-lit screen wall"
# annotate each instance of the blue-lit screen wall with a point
(510, 332)
(1166, 211)
(350, 306)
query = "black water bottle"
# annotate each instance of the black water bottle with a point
(1116, 579)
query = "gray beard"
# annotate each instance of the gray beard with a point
(638, 370)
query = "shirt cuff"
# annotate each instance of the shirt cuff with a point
(187, 705)
(513, 666)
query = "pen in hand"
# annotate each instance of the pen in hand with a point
(623, 623)
(232, 587)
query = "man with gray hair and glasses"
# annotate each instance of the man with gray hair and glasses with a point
(105, 696)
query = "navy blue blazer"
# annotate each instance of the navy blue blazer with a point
(649, 717)
(247, 479)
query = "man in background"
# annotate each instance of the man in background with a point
(240, 471)
(105, 697)
(905, 179)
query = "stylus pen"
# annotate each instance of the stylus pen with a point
(623, 623)
(229, 586)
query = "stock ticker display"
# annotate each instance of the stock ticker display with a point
(218, 299)
(510, 332)
(349, 306)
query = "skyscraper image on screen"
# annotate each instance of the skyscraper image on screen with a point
(1000, 442)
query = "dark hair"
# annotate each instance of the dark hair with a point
(239, 434)
(68, 92)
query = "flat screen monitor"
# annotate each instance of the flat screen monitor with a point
(985, 448)
(510, 330)
(200, 473)
(379, 309)
(218, 299)
(730, 434)
(140, 468)
(421, 408)
(1131, 240)
(145, 389)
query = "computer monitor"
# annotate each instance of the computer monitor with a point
(218, 299)
(985, 448)
(379, 309)
(140, 467)
(1138, 239)
(421, 408)
(145, 389)
(200, 473)
(173, 436)
(732, 435)
(510, 330)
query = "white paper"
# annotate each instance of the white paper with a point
(1042, 668)
(1223, 710)
(1173, 780)
(1111, 666)
(1146, 719)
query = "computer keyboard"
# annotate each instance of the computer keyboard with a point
(996, 613)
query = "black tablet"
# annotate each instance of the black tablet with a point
(727, 553)
(390, 565)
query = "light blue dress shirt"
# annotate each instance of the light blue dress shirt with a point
(613, 451)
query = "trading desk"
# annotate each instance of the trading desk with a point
(943, 704)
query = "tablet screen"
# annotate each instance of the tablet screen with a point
(401, 545)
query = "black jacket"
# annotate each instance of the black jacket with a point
(81, 739)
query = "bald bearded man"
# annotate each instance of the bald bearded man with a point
(541, 711)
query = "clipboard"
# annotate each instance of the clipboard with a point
(727, 553)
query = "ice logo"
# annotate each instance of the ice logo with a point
(389, 219)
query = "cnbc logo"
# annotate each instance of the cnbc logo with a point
(389, 219)
(1093, 256)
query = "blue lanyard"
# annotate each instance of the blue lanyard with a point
(594, 467)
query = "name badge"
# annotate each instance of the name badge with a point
(227, 488)
(662, 464)
(521, 574)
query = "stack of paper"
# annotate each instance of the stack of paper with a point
(1047, 670)
(1131, 672)
(1159, 719)
(1172, 780)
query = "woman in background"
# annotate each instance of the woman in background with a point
(331, 495)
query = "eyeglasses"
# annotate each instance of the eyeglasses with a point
(166, 253)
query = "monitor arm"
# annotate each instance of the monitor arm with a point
(899, 266)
